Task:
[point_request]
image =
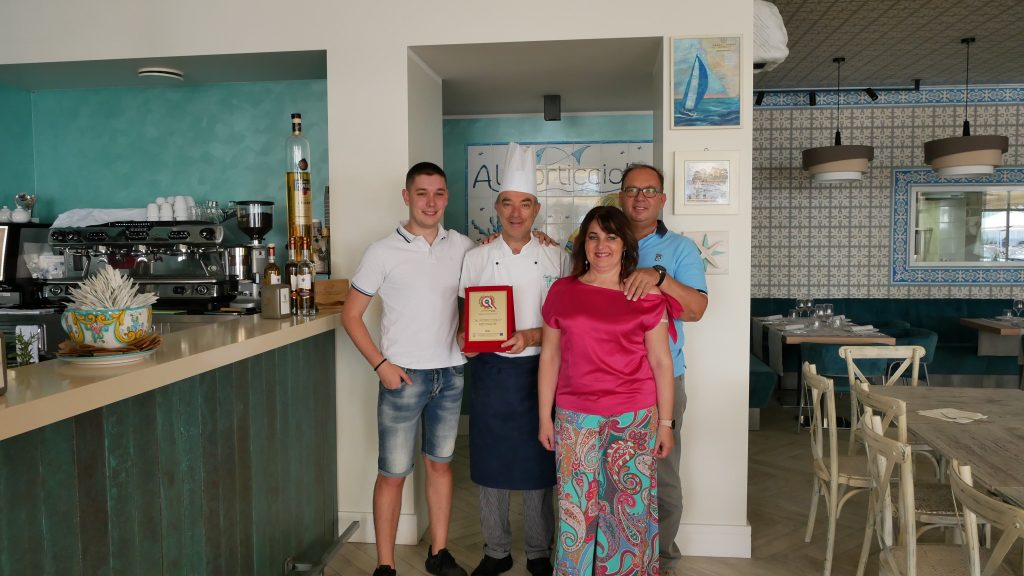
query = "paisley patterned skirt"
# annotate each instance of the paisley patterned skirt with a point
(607, 493)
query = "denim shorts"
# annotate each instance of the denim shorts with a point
(433, 403)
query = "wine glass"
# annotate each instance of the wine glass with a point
(809, 306)
(1018, 307)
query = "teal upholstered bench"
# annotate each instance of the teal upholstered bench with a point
(762, 385)
(956, 355)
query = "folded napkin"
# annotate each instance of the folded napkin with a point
(952, 415)
(772, 317)
(791, 327)
(864, 328)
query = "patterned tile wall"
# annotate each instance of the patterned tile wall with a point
(833, 241)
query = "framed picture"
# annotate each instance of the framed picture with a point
(706, 82)
(706, 182)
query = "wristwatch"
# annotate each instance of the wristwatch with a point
(661, 273)
(671, 424)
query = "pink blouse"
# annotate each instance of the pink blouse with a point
(604, 369)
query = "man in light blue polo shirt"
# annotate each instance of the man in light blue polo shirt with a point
(673, 263)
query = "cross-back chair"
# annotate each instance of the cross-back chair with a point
(933, 502)
(976, 504)
(890, 464)
(836, 478)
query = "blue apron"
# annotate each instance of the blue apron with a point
(504, 452)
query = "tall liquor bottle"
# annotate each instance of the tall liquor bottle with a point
(305, 271)
(299, 191)
(271, 272)
(290, 270)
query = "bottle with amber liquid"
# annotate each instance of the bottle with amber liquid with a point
(298, 182)
(290, 269)
(271, 272)
(305, 271)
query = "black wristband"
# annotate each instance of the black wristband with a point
(379, 364)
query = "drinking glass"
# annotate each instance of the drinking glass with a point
(829, 311)
(793, 313)
(819, 310)
(799, 306)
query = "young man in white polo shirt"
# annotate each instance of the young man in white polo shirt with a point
(504, 453)
(415, 270)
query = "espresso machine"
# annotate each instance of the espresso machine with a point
(255, 218)
(184, 263)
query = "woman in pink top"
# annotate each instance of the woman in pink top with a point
(606, 369)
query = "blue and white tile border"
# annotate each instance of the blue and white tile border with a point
(930, 96)
(902, 273)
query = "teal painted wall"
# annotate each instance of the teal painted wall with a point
(123, 147)
(16, 161)
(228, 472)
(458, 133)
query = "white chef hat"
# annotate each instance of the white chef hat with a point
(520, 169)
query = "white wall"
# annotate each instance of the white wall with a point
(370, 143)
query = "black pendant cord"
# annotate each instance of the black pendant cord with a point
(839, 95)
(967, 83)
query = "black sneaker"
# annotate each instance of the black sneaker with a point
(384, 570)
(491, 566)
(540, 567)
(442, 564)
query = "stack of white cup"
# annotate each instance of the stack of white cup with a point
(172, 208)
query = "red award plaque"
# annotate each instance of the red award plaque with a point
(490, 318)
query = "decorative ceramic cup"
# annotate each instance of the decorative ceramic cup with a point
(107, 328)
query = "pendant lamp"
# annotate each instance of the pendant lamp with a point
(837, 163)
(966, 155)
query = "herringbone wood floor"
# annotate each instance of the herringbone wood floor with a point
(778, 499)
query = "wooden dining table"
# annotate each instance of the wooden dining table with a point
(997, 336)
(991, 446)
(792, 331)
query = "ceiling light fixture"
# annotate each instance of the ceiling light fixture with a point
(837, 163)
(871, 93)
(812, 98)
(966, 155)
(160, 72)
(758, 98)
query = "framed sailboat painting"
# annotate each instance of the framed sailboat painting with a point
(706, 82)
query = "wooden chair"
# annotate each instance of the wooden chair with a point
(836, 478)
(828, 363)
(900, 554)
(933, 502)
(1006, 517)
(908, 357)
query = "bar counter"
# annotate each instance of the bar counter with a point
(44, 393)
(216, 455)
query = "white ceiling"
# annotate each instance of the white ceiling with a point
(607, 75)
(885, 43)
(211, 69)
(892, 42)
